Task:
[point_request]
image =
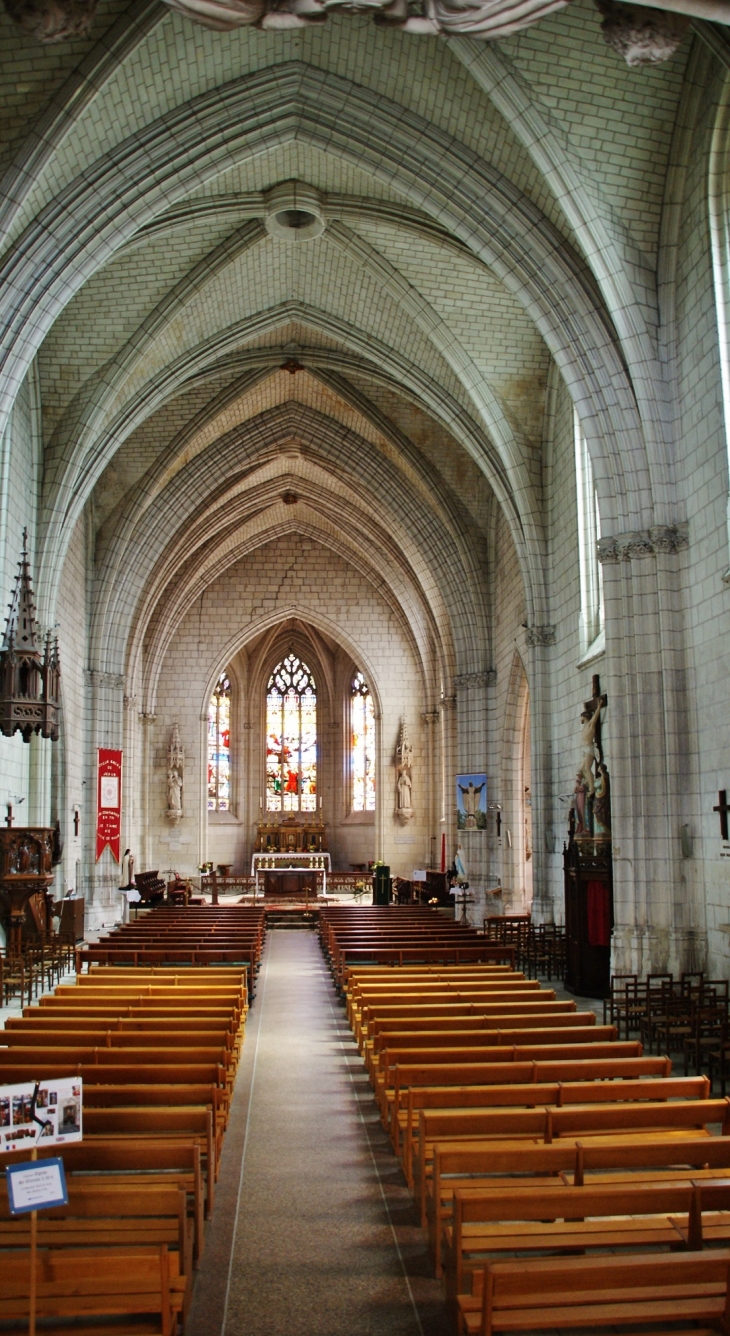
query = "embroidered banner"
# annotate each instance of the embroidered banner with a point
(108, 801)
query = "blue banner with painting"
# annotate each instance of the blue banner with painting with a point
(471, 802)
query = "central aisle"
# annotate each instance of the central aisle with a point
(314, 1233)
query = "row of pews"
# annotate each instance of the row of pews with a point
(193, 936)
(563, 1178)
(157, 1048)
(400, 935)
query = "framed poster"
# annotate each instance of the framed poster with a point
(43, 1113)
(471, 802)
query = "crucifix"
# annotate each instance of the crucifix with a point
(9, 817)
(722, 809)
(592, 708)
(76, 820)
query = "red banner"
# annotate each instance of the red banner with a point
(108, 802)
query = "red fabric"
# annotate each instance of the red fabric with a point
(599, 914)
(108, 801)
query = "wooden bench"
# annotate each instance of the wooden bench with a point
(561, 1219)
(103, 1213)
(506, 1165)
(522, 1050)
(102, 1283)
(547, 1124)
(533, 1094)
(618, 1292)
(413, 1083)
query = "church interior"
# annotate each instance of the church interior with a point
(365, 541)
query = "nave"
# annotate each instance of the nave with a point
(313, 1230)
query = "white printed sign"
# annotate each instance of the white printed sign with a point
(36, 1186)
(53, 1119)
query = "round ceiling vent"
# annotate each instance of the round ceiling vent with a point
(293, 213)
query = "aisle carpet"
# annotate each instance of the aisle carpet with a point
(313, 1231)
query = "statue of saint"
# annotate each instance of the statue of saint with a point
(174, 791)
(579, 804)
(602, 803)
(127, 874)
(403, 777)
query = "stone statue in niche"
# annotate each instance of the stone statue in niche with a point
(175, 775)
(404, 777)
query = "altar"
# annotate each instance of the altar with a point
(290, 875)
(304, 833)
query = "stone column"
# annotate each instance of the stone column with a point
(433, 740)
(539, 640)
(659, 916)
(472, 694)
(101, 881)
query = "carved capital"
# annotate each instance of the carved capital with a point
(430, 716)
(670, 537)
(98, 679)
(487, 678)
(639, 543)
(447, 703)
(539, 635)
(130, 702)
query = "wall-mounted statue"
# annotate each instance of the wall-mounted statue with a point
(591, 805)
(404, 776)
(175, 776)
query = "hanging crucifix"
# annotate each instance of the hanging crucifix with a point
(76, 820)
(9, 817)
(722, 809)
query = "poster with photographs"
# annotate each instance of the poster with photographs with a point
(55, 1120)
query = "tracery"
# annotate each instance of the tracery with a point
(219, 747)
(291, 738)
(362, 745)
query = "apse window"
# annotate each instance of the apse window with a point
(219, 747)
(589, 532)
(362, 745)
(291, 738)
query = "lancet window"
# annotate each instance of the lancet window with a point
(291, 738)
(362, 745)
(219, 747)
(589, 532)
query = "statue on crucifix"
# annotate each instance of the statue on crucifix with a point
(592, 801)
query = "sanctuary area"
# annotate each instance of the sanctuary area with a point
(365, 541)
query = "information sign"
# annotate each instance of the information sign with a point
(41, 1113)
(36, 1185)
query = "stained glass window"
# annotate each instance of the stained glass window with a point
(219, 747)
(362, 759)
(291, 738)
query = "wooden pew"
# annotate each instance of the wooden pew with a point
(101, 1213)
(523, 1046)
(534, 1094)
(455, 1078)
(561, 1219)
(619, 1292)
(502, 1166)
(102, 1283)
(475, 1126)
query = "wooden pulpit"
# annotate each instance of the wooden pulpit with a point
(26, 874)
